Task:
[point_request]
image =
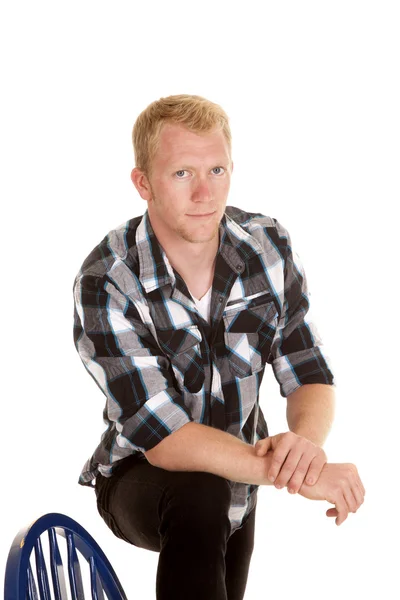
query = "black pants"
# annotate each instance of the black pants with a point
(183, 516)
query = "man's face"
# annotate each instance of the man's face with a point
(191, 176)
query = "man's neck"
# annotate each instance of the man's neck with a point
(189, 259)
(196, 271)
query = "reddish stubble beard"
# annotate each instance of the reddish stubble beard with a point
(210, 232)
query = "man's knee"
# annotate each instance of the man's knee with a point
(198, 497)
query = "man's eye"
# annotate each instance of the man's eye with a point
(184, 171)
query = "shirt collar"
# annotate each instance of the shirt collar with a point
(237, 246)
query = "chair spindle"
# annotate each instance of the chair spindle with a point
(31, 591)
(41, 571)
(74, 569)
(57, 568)
(95, 583)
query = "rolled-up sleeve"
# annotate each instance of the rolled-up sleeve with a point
(298, 353)
(122, 356)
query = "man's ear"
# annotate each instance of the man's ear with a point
(141, 183)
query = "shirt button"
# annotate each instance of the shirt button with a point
(220, 299)
(239, 267)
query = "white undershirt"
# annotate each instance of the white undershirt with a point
(203, 305)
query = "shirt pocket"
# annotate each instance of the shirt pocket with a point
(249, 330)
(183, 348)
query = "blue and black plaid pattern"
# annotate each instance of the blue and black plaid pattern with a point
(160, 365)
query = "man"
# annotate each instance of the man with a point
(177, 313)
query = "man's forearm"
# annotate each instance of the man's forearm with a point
(310, 411)
(196, 447)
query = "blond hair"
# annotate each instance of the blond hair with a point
(196, 113)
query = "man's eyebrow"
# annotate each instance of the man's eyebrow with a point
(216, 163)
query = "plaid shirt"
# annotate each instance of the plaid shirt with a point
(160, 365)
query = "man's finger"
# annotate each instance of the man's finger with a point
(358, 492)
(278, 458)
(263, 446)
(315, 470)
(292, 467)
(341, 507)
(299, 472)
(351, 500)
(359, 482)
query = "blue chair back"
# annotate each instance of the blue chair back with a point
(20, 582)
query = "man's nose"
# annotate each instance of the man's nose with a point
(202, 191)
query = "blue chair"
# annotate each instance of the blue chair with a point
(19, 579)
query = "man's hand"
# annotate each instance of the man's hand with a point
(339, 484)
(295, 460)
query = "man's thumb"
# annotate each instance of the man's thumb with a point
(261, 447)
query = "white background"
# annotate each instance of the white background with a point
(312, 92)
